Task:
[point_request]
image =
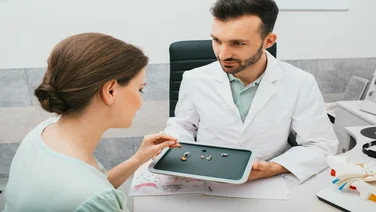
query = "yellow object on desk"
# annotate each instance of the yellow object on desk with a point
(372, 197)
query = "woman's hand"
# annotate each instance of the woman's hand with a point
(153, 144)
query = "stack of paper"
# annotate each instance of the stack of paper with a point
(146, 183)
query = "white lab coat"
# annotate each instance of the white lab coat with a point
(287, 99)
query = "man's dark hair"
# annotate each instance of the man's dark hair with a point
(266, 10)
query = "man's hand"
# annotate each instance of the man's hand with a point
(263, 169)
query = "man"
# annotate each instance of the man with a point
(251, 100)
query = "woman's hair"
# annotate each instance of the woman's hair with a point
(80, 65)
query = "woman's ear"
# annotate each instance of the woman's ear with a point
(109, 91)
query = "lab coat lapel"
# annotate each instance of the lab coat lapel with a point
(224, 89)
(266, 89)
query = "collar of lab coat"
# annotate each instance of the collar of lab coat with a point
(265, 91)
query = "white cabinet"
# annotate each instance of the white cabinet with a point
(347, 115)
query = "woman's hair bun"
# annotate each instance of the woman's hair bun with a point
(50, 100)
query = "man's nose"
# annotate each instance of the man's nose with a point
(224, 52)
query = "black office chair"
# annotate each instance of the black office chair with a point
(187, 55)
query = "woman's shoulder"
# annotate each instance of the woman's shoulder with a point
(109, 199)
(29, 144)
(37, 130)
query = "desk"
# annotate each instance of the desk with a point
(302, 198)
(348, 114)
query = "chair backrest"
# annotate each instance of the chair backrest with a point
(187, 55)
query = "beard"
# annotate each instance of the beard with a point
(241, 65)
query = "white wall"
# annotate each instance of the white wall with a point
(321, 35)
(313, 5)
(30, 28)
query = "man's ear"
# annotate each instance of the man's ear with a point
(270, 40)
(108, 92)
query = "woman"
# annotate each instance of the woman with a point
(93, 81)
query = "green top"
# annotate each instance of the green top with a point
(243, 96)
(42, 179)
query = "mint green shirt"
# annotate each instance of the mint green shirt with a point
(42, 179)
(243, 96)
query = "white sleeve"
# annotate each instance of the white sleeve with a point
(314, 134)
(184, 125)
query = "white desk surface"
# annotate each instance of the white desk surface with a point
(331, 112)
(351, 201)
(302, 198)
(353, 107)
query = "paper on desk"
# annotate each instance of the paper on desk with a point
(269, 188)
(145, 183)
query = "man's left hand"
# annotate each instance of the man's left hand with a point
(263, 169)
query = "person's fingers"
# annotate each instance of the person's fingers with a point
(259, 170)
(161, 137)
(177, 145)
(254, 165)
(255, 174)
(165, 144)
(159, 141)
(159, 152)
(260, 165)
(162, 140)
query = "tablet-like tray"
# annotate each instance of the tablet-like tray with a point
(234, 168)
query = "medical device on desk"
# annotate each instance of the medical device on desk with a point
(357, 177)
(369, 104)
